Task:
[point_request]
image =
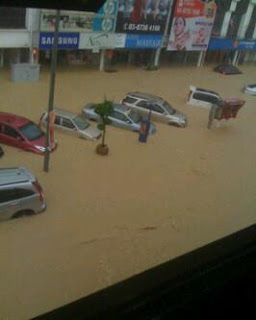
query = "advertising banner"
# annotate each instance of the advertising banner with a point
(105, 19)
(143, 41)
(231, 44)
(70, 21)
(66, 40)
(101, 40)
(192, 25)
(142, 16)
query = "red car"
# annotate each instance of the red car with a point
(22, 133)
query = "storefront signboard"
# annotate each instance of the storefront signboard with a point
(192, 25)
(142, 16)
(66, 40)
(101, 40)
(143, 41)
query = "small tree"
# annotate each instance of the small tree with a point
(104, 110)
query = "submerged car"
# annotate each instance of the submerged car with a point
(22, 133)
(121, 117)
(72, 123)
(203, 97)
(159, 108)
(250, 89)
(20, 193)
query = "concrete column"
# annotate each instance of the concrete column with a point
(1, 58)
(227, 17)
(165, 37)
(102, 59)
(156, 57)
(235, 59)
(245, 20)
(200, 60)
(254, 32)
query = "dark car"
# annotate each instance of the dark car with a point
(22, 133)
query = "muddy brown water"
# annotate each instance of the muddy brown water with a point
(109, 218)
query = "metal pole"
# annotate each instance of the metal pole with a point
(51, 91)
(158, 50)
(102, 59)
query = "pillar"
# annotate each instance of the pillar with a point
(227, 17)
(102, 59)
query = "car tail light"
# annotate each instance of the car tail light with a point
(39, 190)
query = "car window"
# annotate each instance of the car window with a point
(81, 123)
(9, 131)
(157, 108)
(14, 194)
(202, 97)
(57, 120)
(31, 131)
(129, 100)
(68, 124)
(143, 104)
(136, 117)
(119, 116)
(169, 108)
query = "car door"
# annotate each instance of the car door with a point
(12, 137)
(143, 107)
(68, 126)
(9, 204)
(118, 119)
(158, 112)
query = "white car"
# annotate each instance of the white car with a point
(202, 97)
(72, 123)
(250, 89)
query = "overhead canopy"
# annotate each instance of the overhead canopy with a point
(78, 5)
(227, 69)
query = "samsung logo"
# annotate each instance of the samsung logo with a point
(49, 40)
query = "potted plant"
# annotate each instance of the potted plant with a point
(104, 110)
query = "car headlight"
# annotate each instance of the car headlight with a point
(42, 149)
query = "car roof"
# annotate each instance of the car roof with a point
(146, 96)
(205, 91)
(15, 175)
(64, 113)
(12, 119)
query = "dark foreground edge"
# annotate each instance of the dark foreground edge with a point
(219, 275)
(79, 5)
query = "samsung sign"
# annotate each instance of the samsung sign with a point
(66, 40)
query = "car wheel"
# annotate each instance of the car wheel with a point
(23, 213)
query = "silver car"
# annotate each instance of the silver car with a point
(72, 123)
(122, 117)
(250, 89)
(160, 109)
(20, 194)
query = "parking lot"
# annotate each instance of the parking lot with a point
(110, 217)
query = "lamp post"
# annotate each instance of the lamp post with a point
(51, 91)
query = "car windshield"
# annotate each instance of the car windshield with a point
(135, 116)
(81, 123)
(31, 131)
(168, 108)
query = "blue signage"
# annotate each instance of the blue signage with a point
(66, 40)
(231, 44)
(143, 41)
(105, 19)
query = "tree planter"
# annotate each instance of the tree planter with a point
(102, 149)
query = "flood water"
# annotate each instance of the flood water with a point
(109, 218)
